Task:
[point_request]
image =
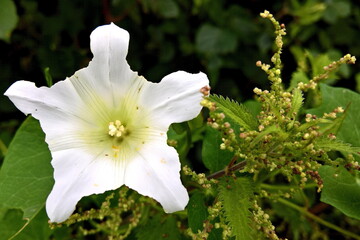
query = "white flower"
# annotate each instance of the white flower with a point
(106, 126)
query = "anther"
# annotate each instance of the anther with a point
(116, 129)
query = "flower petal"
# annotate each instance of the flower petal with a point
(80, 173)
(154, 172)
(109, 71)
(63, 115)
(175, 99)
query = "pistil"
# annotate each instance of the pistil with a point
(116, 129)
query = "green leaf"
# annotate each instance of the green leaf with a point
(298, 225)
(333, 97)
(214, 40)
(213, 157)
(336, 9)
(167, 8)
(48, 77)
(197, 211)
(296, 103)
(182, 138)
(333, 126)
(26, 175)
(236, 197)
(341, 190)
(11, 221)
(158, 228)
(357, 79)
(318, 62)
(271, 129)
(180, 128)
(309, 12)
(8, 19)
(37, 229)
(237, 112)
(215, 234)
(336, 145)
(297, 77)
(253, 106)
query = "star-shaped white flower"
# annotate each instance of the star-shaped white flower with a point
(106, 126)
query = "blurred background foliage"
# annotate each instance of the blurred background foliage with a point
(221, 38)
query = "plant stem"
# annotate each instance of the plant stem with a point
(285, 187)
(225, 171)
(317, 219)
(3, 148)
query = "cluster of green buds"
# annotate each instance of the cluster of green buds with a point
(283, 141)
(274, 74)
(347, 59)
(111, 217)
(263, 223)
(217, 122)
(200, 178)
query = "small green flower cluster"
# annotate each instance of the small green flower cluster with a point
(263, 223)
(200, 178)
(274, 74)
(111, 218)
(217, 122)
(347, 59)
(283, 142)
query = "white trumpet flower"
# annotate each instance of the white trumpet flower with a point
(106, 126)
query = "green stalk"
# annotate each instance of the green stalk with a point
(317, 219)
(3, 148)
(285, 187)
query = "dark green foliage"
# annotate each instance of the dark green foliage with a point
(213, 157)
(159, 228)
(197, 211)
(8, 19)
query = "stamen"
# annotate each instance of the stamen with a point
(116, 129)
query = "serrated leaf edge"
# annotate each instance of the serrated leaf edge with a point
(236, 111)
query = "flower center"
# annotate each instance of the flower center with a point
(116, 129)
